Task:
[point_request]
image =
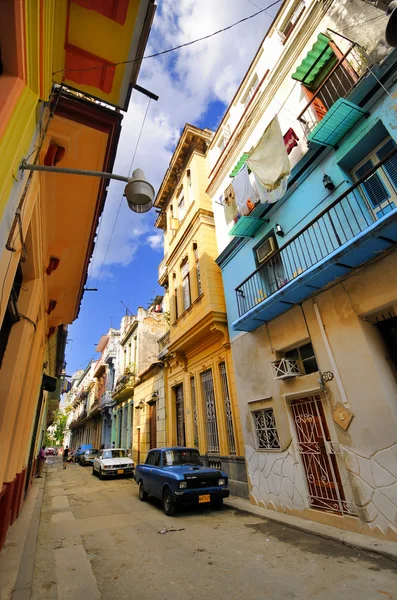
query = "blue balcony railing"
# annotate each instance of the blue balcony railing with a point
(340, 223)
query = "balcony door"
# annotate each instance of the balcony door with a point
(380, 189)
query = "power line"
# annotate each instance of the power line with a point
(121, 199)
(200, 39)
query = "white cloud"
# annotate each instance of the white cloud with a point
(187, 81)
(155, 241)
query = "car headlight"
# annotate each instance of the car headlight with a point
(107, 466)
(182, 485)
(222, 481)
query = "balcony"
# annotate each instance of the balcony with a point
(338, 84)
(163, 271)
(285, 368)
(163, 343)
(106, 400)
(125, 385)
(344, 236)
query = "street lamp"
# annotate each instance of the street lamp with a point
(138, 192)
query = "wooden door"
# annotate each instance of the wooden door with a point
(153, 426)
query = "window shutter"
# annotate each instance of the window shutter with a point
(318, 105)
(373, 186)
(390, 166)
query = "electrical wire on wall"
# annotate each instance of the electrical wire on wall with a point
(122, 196)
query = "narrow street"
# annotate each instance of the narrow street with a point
(97, 540)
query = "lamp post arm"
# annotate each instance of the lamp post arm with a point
(30, 167)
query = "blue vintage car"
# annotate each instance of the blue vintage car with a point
(177, 476)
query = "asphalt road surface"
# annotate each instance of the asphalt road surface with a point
(97, 540)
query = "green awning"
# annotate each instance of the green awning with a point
(315, 61)
(338, 121)
(246, 227)
(240, 163)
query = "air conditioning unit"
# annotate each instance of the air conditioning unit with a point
(265, 249)
(285, 368)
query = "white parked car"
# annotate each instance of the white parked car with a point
(113, 462)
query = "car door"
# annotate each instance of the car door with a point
(146, 472)
(156, 475)
(97, 462)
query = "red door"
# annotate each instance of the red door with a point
(317, 452)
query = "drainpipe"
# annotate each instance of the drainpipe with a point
(330, 354)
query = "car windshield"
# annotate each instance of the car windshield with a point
(91, 451)
(182, 457)
(114, 454)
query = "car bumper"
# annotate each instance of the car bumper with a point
(193, 496)
(114, 472)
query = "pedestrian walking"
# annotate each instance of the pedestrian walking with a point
(65, 456)
(40, 461)
(113, 445)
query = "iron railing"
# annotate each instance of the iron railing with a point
(338, 84)
(337, 224)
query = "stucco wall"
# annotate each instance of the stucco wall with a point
(141, 417)
(367, 459)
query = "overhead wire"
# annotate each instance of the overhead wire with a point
(162, 52)
(121, 198)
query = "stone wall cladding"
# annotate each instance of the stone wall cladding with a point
(276, 479)
(374, 482)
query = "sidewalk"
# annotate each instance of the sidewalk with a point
(354, 540)
(18, 555)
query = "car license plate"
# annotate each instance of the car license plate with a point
(120, 471)
(204, 498)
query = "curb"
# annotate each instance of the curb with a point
(23, 584)
(357, 541)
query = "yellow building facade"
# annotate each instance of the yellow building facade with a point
(49, 115)
(200, 392)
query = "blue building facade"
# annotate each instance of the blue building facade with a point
(311, 281)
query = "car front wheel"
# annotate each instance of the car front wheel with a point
(143, 496)
(101, 475)
(169, 505)
(93, 471)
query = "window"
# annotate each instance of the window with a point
(289, 25)
(185, 284)
(211, 424)
(265, 429)
(198, 272)
(251, 90)
(225, 137)
(380, 189)
(228, 409)
(11, 315)
(194, 408)
(175, 298)
(305, 357)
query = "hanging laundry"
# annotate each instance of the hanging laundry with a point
(290, 140)
(229, 204)
(245, 196)
(270, 163)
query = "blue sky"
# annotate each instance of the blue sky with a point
(195, 85)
